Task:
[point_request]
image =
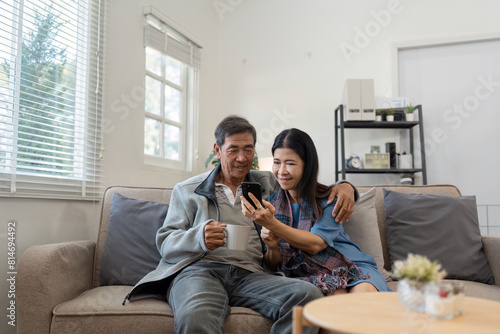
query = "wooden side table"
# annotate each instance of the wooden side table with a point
(381, 312)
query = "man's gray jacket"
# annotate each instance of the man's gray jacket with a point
(181, 239)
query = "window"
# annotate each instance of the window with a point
(171, 84)
(49, 98)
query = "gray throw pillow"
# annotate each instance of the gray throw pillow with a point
(440, 227)
(363, 229)
(130, 248)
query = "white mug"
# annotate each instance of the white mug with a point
(237, 237)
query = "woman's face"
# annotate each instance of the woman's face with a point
(288, 168)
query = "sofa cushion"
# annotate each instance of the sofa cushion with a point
(130, 250)
(440, 227)
(100, 310)
(363, 229)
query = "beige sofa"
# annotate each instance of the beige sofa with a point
(59, 284)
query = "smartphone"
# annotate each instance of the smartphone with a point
(254, 188)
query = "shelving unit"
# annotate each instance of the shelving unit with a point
(341, 125)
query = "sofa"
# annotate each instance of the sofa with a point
(60, 290)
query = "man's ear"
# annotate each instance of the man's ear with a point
(217, 150)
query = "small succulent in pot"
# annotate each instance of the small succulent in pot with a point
(414, 274)
(410, 109)
(418, 268)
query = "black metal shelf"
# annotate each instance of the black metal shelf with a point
(381, 171)
(341, 125)
(378, 125)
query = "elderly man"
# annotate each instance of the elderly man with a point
(198, 275)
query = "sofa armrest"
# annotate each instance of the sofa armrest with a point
(491, 246)
(49, 275)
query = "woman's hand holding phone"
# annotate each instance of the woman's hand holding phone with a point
(262, 214)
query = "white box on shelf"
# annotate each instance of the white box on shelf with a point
(368, 105)
(351, 99)
(405, 161)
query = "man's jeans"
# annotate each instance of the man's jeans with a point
(202, 294)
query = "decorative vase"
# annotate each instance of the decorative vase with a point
(409, 117)
(444, 300)
(411, 295)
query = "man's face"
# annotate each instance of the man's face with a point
(236, 156)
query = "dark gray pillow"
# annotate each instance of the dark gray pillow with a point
(440, 227)
(130, 249)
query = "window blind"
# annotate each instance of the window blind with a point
(165, 39)
(50, 98)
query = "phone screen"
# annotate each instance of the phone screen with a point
(254, 188)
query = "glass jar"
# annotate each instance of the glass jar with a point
(411, 295)
(444, 300)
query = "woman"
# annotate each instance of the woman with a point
(302, 238)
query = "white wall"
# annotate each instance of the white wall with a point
(286, 56)
(125, 77)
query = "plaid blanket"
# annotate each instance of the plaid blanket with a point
(328, 269)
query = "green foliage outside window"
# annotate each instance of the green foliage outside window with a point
(46, 122)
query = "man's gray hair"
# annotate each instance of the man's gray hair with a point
(232, 125)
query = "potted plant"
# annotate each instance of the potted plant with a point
(409, 113)
(212, 159)
(389, 115)
(378, 115)
(414, 274)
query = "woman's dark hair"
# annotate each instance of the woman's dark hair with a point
(232, 125)
(309, 189)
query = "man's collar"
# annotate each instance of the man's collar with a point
(207, 187)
